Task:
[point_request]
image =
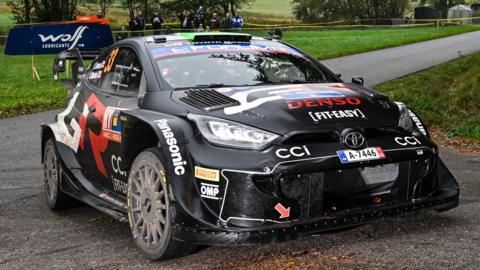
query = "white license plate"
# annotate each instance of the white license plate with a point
(372, 153)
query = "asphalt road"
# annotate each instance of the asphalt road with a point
(33, 237)
(384, 65)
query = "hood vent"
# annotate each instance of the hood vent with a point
(208, 100)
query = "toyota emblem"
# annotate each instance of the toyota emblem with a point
(354, 140)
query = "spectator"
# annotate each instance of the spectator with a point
(200, 28)
(227, 22)
(156, 21)
(185, 20)
(199, 17)
(135, 25)
(142, 20)
(215, 22)
(237, 21)
(100, 15)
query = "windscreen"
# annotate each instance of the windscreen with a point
(192, 66)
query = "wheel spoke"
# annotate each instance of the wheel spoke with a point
(137, 184)
(162, 206)
(155, 234)
(160, 195)
(151, 177)
(161, 219)
(146, 175)
(159, 230)
(144, 230)
(139, 221)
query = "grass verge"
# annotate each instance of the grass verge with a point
(336, 43)
(19, 94)
(446, 97)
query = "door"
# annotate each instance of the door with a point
(113, 85)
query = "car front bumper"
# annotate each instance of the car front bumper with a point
(320, 195)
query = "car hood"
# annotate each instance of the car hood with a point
(294, 108)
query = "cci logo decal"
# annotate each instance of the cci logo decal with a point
(209, 191)
(407, 141)
(295, 151)
(68, 40)
(116, 165)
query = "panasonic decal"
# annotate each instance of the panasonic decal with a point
(176, 156)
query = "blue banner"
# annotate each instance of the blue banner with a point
(54, 38)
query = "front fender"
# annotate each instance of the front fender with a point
(172, 134)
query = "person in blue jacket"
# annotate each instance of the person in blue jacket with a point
(237, 21)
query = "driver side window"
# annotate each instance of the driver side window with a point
(120, 72)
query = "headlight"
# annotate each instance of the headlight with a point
(227, 133)
(405, 121)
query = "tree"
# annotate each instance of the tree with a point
(21, 10)
(104, 5)
(330, 10)
(43, 10)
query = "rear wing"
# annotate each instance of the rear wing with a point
(78, 66)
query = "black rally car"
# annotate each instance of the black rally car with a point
(228, 139)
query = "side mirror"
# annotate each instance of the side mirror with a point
(358, 81)
(58, 66)
(338, 75)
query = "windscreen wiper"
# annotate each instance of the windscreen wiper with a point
(212, 85)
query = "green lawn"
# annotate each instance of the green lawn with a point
(19, 94)
(271, 7)
(447, 96)
(335, 43)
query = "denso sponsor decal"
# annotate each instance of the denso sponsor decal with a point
(175, 155)
(296, 152)
(340, 114)
(309, 103)
(207, 174)
(250, 99)
(209, 191)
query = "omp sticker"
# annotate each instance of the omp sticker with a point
(209, 191)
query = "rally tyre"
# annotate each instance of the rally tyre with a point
(150, 209)
(56, 199)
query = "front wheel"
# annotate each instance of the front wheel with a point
(150, 209)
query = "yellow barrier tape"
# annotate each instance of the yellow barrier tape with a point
(296, 25)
